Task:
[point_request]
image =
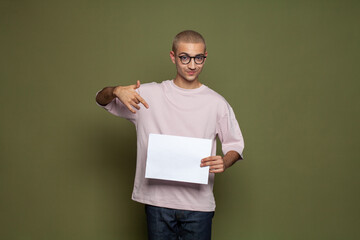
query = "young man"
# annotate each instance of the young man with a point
(181, 107)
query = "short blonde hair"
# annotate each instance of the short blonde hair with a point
(187, 36)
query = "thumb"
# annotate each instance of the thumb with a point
(137, 84)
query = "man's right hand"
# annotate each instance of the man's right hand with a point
(129, 97)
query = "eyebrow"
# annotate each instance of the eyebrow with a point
(189, 54)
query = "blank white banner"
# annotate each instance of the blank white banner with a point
(177, 158)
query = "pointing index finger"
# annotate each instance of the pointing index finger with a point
(142, 101)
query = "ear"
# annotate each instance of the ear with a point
(172, 56)
(205, 54)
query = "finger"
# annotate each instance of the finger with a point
(137, 85)
(130, 108)
(135, 105)
(212, 163)
(142, 101)
(135, 100)
(216, 171)
(218, 166)
(207, 159)
(211, 158)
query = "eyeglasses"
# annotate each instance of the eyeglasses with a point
(186, 59)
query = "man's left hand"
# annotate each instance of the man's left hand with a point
(216, 164)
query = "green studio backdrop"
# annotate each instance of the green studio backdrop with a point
(290, 70)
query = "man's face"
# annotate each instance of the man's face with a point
(188, 72)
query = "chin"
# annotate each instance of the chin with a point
(191, 78)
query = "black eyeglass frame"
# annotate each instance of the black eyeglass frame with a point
(202, 55)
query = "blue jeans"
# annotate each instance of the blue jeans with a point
(172, 224)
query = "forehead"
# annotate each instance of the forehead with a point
(190, 48)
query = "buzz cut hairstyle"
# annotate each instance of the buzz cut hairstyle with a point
(187, 36)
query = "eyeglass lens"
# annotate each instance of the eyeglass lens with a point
(185, 59)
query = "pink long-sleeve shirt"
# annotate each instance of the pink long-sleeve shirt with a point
(200, 113)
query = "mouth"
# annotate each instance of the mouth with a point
(191, 72)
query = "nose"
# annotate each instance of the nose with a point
(192, 64)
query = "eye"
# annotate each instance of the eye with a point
(199, 58)
(184, 58)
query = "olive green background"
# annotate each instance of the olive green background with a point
(290, 69)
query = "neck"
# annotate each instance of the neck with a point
(180, 82)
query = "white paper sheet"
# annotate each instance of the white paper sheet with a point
(177, 158)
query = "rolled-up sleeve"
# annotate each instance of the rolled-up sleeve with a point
(229, 133)
(117, 108)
